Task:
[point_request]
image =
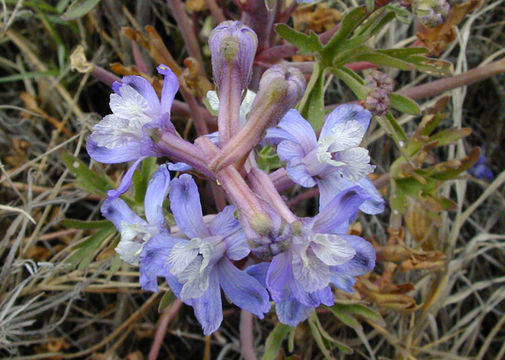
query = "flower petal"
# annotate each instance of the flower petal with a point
(126, 181)
(300, 129)
(331, 185)
(300, 175)
(335, 216)
(225, 224)
(242, 289)
(278, 276)
(376, 203)
(363, 261)
(343, 282)
(344, 113)
(153, 261)
(186, 207)
(292, 312)
(259, 272)
(179, 166)
(310, 271)
(119, 213)
(170, 87)
(156, 193)
(331, 249)
(144, 88)
(208, 308)
(290, 151)
(128, 152)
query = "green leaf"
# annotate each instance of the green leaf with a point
(79, 8)
(328, 339)
(274, 341)
(379, 58)
(28, 75)
(268, 159)
(307, 44)
(365, 312)
(404, 104)
(402, 14)
(349, 23)
(375, 23)
(86, 179)
(167, 299)
(85, 224)
(270, 4)
(370, 5)
(346, 318)
(141, 178)
(87, 249)
(316, 333)
(312, 104)
(389, 123)
(449, 136)
(114, 266)
(352, 80)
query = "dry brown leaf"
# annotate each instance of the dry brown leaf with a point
(320, 19)
(437, 39)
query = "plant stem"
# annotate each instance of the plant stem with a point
(246, 335)
(187, 32)
(215, 10)
(453, 82)
(167, 316)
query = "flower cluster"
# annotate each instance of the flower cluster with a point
(255, 249)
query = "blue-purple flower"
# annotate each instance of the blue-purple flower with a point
(197, 262)
(333, 162)
(121, 136)
(320, 254)
(135, 231)
(481, 169)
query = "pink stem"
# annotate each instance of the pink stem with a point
(168, 315)
(246, 336)
(453, 82)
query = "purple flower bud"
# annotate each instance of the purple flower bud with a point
(233, 47)
(280, 88)
(381, 86)
(431, 13)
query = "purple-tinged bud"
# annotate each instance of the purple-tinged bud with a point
(381, 86)
(233, 47)
(280, 88)
(431, 13)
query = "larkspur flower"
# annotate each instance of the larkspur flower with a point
(320, 254)
(481, 169)
(198, 262)
(121, 136)
(333, 162)
(135, 231)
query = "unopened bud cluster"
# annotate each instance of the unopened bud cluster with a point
(381, 86)
(431, 13)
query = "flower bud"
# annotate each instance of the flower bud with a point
(280, 88)
(233, 47)
(431, 13)
(381, 86)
